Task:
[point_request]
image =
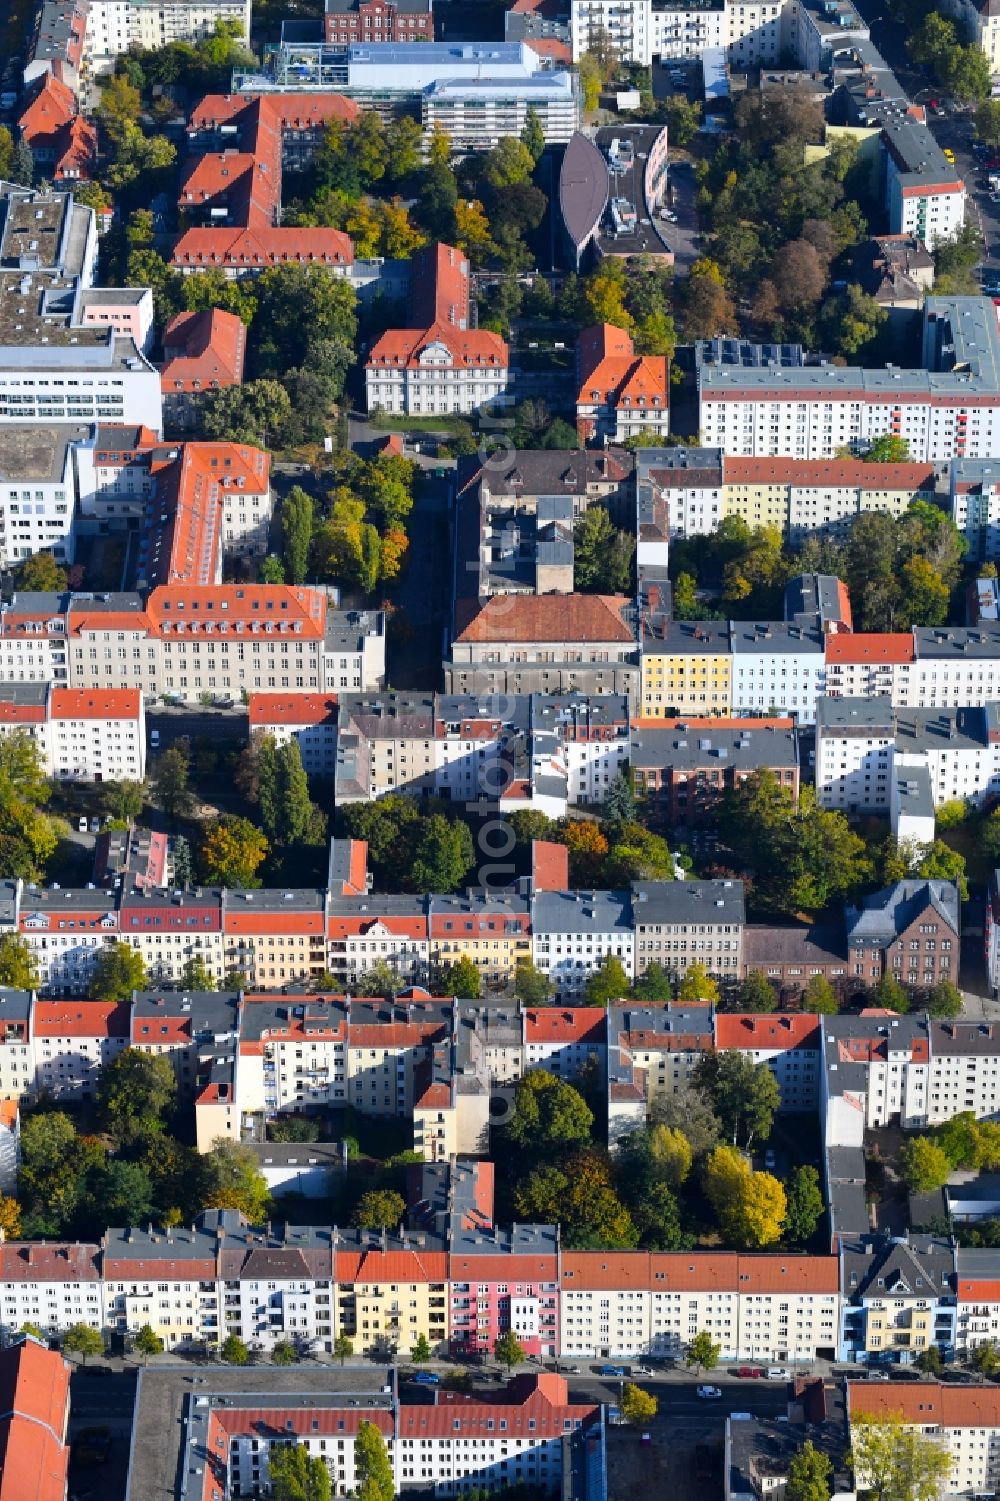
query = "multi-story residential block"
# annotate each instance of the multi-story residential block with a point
(620, 394)
(687, 669)
(978, 1283)
(909, 930)
(310, 719)
(966, 1424)
(564, 1040)
(810, 413)
(82, 735)
(51, 1284)
(777, 667)
(683, 768)
(491, 929)
(276, 937)
(875, 1071)
(362, 930)
(56, 45)
(870, 664)
(581, 643)
(439, 363)
(72, 1041)
(574, 931)
(17, 1068)
(184, 1028)
(788, 1045)
(354, 650)
(37, 491)
(113, 26)
(681, 923)
(899, 1299)
(651, 1050)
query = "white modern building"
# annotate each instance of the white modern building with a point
(82, 735)
(477, 113)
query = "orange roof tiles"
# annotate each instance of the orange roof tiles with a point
(222, 606)
(287, 111)
(587, 1270)
(829, 473)
(50, 110)
(358, 924)
(550, 617)
(608, 370)
(871, 646)
(76, 151)
(81, 1018)
(249, 249)
(768, 1033)
(203, 351)
(549, 865)
(14, 712)
(96, 703)
(771, 1273)
(468, 348)
(391, 1266)
(928, 1403)
(292, 708)
(551, 47)
(978, 1290)
(561, 1024)
(439, 287)
(34, 1410)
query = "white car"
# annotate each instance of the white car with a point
(708, 1393)
(644, 1370)
(778, 1373)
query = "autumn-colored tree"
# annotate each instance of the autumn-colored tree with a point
(636, 1405)
(10, 1217)
(671, 1153)
(749, 1206)
(697, 985)
(233, 851)
(587, 847)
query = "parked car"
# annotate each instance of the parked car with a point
(770, 1160)
(426, 1378)
(708, 1393)
(154, 739)
(879, 1376)
(778, 1373)
(81, 824)
(95, 825)
(644, 1370)
(616, 1371)
(750, 1373)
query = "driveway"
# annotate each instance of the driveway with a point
(683, 237)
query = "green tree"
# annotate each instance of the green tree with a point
(689, 1112)
(372, 1469)
(41, 574)
(258, 413)
(135, 1092)
(148, 1343)
(591, 81)
(271, 570)
(549, 1115)
(702, 1352)
(889, 995)
(923, 1164)
(531, 985)
(608, 983)
(33, 1329)
(196, 974)
(297, 515)
(637, 1406)
(296, 1475)
(232, 1180)
(532, 135)
(804, 1205)
(117, 971)
(172, 781)
(124, 800)
(697, 985)
(234, 1351)
(967, 74)
(381, 979)
(944, 999)
(619, 805)
(929, 1361)
(443, 855)
(460, 979)
(750, 1207)
(756, 993)
(421, 1352)
(508, 1349)
(17, 964)
(23, 167)
(987, 121)
(379, 1209)
(54, 1163)
(653, 984)
(820, 997)
(986, 1358)
(232, 851)
(809, 1475)
(118, 1193)
(6, 153)
(744, 1095)
(283, 1352)
(82, 1340)
(890, 448)
(343, 1348)
(893, 1461)
(602, 554)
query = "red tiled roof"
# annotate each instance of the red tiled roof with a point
(549, 617)
(871, 646)
(391, 1266)
(292, 708)
(561, 1024)
(81, 1018)
(549, 865)
(439, 287)
(767, 1033)
(830, 474)
(551, 47)
(605, 1269)
(469, 348)
(770, 1273)
(48, 1261)
(13, 712)
(51, 108)
(929, 1403)
(279, 605)
(288, 111)
(203, 351)
(76, 151)
(96, 703)
(34, 1410)
(248, 249)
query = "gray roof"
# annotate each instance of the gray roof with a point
(347, 630)
(581, 912)
(762, 638)
(887, 913)
(667, 1021)
(979, 1262)
(29, 452)
(629, 183)
(875, 713)
(522, 472)
(8, 902)
(672, 902)
(212, 1013)
(965, 1038)
(699, 637)
(745, 749)
(576, 714)
(981, 640)
(914, 793)
(14, 1007)
(877, 1267)
(814, 594)
(584, 185)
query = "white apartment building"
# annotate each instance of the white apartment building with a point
(854, 751)
(948, 409)
(966, 1422)
(788, 1045)
(51, 1284)
(82, 735)
(310, 719)
(574, 931)
(17, 1068)
(113, 26)
(37, 492)
(72, 1041)
(777, 667)
(974, 503)
(436, 372)
(751, 32)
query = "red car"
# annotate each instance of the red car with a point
(751, 1373)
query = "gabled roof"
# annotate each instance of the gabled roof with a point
(550, 617)
(253, 249)
(886, 914)
(34, 1407)
(52, 107)
(468, 348)
(203, 351)
(766, 1033)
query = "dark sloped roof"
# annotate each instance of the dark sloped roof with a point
(583, 188)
